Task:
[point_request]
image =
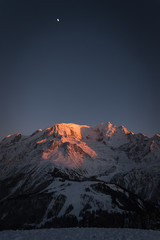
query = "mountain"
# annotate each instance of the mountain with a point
(77, 175)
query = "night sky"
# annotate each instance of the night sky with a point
(100, 63)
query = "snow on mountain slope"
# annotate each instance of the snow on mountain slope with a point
(30, 165)
(75, 203)
(106, 151)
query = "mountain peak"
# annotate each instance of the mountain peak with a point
(12, 138)
(109, 129)
(124, 130)
(68, 130)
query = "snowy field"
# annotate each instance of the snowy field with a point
(81, 234)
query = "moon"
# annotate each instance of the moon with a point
(58, 19)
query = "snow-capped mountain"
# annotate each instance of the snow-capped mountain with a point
(71, 174)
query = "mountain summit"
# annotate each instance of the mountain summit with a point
(78, 175)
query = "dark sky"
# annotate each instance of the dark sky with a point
(100, 63)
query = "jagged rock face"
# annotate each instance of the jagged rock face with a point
(64, 172)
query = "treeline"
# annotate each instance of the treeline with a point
(108, 220)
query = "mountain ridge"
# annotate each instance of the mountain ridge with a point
(73, 126)
(54, 162)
